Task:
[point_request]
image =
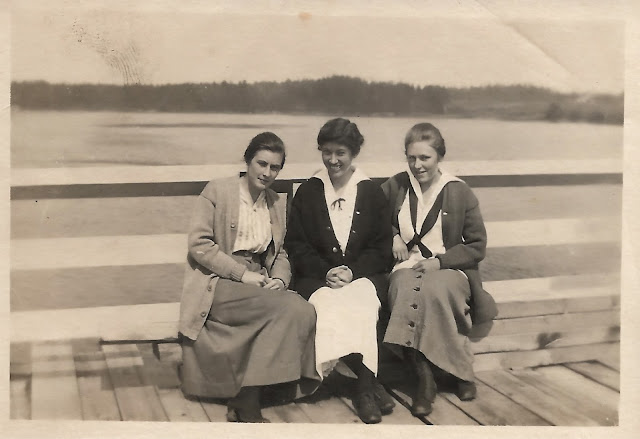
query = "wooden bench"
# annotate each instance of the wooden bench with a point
(548, 316)
(542, 319)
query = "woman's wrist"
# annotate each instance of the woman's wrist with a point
(237, 272)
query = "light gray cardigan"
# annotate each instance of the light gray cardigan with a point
(211, 240)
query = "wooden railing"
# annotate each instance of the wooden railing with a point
(543, 320)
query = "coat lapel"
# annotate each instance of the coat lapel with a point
(277, 222)
(233, 207)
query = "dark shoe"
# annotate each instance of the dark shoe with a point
(245, 406)
(466, 390)
(426, 388)
(366, 407)
(421, 407)
(424, 397)
(233, 415)
(383, 399)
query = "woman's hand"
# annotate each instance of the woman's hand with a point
(400, 251)
(253, 278)
(338, 277)
(427, 265)
(274, 284)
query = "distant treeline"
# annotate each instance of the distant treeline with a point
(333, 95)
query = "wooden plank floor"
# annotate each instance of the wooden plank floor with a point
(81, 379)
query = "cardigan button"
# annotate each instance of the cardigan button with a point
(412, 324)
(335, 250)
(414, 306)
(416, 288)
(203, 314)
(209, 288)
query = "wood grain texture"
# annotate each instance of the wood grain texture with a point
(137, 398)
(555, 322)
(180, 409)
(94, 383)
(595, 401)
(54, 387)
(493, 408)
(289, 413)
(542, 357)
(549, 338)
(539, 402)
(610, 359)
(598, 373)
(216, 411)
(324, 408)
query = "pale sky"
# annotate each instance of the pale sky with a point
(162, 45)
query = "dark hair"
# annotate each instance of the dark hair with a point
(343, 132)
(268, 141)
(426, 132)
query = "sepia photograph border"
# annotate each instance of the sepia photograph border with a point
(629, 423)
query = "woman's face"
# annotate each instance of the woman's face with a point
(263, 169)
(423, 161)
(337, 158)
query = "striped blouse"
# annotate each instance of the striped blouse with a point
(254, 223)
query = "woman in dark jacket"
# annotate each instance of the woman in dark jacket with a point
(339, 241)
(241, 329)
(435, 291)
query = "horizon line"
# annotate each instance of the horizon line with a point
(373, 82)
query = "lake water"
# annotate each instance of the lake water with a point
(72, 139)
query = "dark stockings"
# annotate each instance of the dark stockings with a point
(245, 406)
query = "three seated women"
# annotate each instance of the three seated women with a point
(243, 330)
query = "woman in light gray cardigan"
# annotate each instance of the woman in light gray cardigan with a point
(241, 328)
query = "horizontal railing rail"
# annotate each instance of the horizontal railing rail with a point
(140, 181)
(126, 250)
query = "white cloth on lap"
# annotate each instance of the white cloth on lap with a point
(346, 323)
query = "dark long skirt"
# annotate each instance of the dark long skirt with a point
(430, 313)
(252, 337)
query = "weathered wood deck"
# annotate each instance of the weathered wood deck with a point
(83, 379)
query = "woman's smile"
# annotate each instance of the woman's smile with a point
(337, 159)
(423, 161)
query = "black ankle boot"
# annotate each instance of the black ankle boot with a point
(245, 406)
(365, 401)
(466, 390)
(383, 399)
(426, 388)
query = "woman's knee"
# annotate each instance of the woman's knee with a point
(300, 309)
(445, 286)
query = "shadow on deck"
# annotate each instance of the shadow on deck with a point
(84, 380)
